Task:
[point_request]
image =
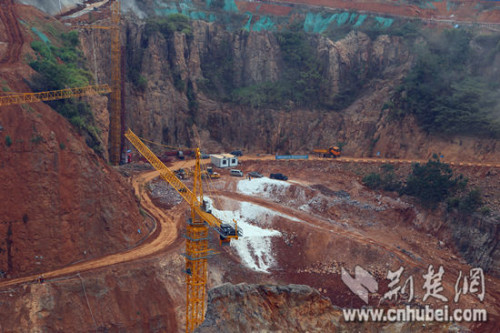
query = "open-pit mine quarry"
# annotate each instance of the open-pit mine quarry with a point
(249, 166)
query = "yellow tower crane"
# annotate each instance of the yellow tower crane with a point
(115, 116)
(197, 250)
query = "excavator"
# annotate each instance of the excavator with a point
(197, 251)
(332, 152)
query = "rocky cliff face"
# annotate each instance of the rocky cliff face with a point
(477, 239)
(175, 68)
(163, 112)
(286, 308)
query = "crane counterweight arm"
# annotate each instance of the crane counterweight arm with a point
(172, 179)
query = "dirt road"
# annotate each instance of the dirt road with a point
(163, 236)
(373, 160)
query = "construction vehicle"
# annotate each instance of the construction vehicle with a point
(188, 173)
(215, 175)
(278, 176)
(332, 152)
(183, 173)
(210, 173)
(197, 250)
(205, 175)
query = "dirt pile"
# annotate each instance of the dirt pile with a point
(332, 195)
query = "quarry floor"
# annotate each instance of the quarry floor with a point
(303, 231)
(323, 220)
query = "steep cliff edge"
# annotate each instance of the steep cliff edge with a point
(174, 64)
(180, 94)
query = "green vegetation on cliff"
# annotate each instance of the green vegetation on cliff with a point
(218, 71)
(64, 67)
(168, 25)
(451, 88)
(383, 181)
(299, 84)
(59, 67)
(301, 79)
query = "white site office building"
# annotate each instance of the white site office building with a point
(224, 160)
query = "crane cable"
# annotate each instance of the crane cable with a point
(216, 198)
(96, 78)
(210, 186)
(88, 303)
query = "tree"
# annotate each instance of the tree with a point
(432, 182)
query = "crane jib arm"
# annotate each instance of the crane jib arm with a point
(43, 96)
(172, 179)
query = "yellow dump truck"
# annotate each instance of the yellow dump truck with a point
(332, 152)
